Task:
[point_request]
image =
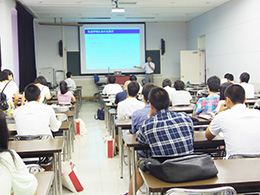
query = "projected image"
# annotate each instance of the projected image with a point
(113, 48)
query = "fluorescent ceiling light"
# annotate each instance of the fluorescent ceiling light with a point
(118, 10)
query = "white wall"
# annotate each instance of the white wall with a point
(6, 33)
(174, 34)
(232, 38)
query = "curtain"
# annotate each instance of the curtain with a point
(27, 65)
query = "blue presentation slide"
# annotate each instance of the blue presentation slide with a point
(112, 48)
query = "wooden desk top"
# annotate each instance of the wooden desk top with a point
(65, 125)
(36, 147)
(199, 140)
(236, 172)
(68, 113)
(45, 180)
(187, 109)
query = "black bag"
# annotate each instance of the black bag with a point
(3, 101)
(100, 114)
(181, 169)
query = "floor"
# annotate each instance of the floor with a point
(98, 174)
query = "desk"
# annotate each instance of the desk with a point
(187, 109)
(45, 180)
(200, 142)
(42, 148)
(120, 79)
(231, 173)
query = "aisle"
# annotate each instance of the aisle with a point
(99, 175)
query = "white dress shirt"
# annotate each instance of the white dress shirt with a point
(71, 83)
(35, 118)
(241, 130)
(249, 89)
(10, 89)
(180, 97)
(147, 68)
(44, 91)
(126, 108)
(170, 91)
(15, 175)
(112, 89)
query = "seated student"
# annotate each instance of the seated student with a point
(222, 96)
(173, 131)
(123, 94)
(134, 78)
(249, 89)
(126, 108)
(13, 84)
(15, 177)
(239, 124)
(71, 83)
(112, 88)
(64, 96)
(167, 85)
(41, 82)
(180, 96)
(10, 89)
(139, 116)
(208, 104)
(229, 77)
(35, 118)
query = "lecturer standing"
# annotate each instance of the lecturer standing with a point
(149, 68)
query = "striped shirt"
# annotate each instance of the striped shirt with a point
(207, 105)
(167, 133)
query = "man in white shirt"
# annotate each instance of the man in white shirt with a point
(126, 108)
(112, 88)
(35, 118)
(249, 89)
(180, 96)
(239, 124)
(71, 83)
(167, 85)
(149, 68)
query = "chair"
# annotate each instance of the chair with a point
(96, 80)
(227, 190)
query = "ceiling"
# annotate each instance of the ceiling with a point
(135, 10)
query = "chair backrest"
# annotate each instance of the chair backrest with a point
(240, 156)
(96, 78)
(227, 190)
(61, 117)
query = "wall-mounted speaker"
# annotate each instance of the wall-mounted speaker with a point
(60, 48)
(162, 46)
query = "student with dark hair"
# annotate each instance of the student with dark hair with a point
(167, 85)
(180, 96)
(139, 116)
(71, 83)
(41, 82)
(10, 90)
(64, 96)
(112, 88)
(173, 131)
(15, 177)
(249, 89)
(239, 124)
(222, 100)
(121, 96)
(208, 104)
(35, 118)
(126, 108)
(229, 77)
(134, 78)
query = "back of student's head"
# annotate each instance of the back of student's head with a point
(146, 90)
(112, 79)
(229, 76)
(4, 133)
(213, 83)
(63, 87)
(166, 82)
(244, 77)
(179, 85)
(235, 93)
(133, 78)
(159, 98)
(3, 76)
(133, 88)
(222, 89)
(68, 74)
(41, 79)
(32, 92)
(9, 72)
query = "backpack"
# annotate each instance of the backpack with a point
(3, 101)
(100, 114)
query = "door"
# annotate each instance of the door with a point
(192, 66)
